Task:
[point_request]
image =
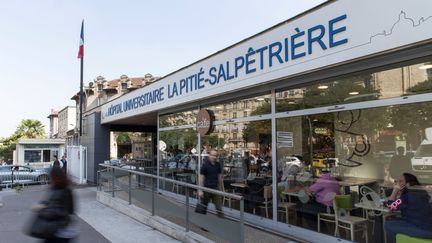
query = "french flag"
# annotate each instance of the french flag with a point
(81, 46)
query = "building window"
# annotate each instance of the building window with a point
(235, 105)
(124, 86)
(245, 114)
(32, 156)
(100, 87)
(245, 104)
(234, 115)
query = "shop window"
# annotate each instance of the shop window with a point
(178, 119)
(396, 82)
(179, 156)
(368, 147)
(255, 106)
(245, 151)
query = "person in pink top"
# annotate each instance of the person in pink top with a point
(324, 189)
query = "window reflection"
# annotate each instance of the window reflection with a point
(255, 106)
(350, 149)
(408, 80)
(244, 150)
(178, 119)
(178, 157)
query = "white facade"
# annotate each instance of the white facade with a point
(38, 152)
(66, 121)
(327, 36)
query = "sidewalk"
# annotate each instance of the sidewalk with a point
(98, 224)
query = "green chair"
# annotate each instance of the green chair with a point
(342, 206)
(401, 238)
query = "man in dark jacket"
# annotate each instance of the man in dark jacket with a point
(64, 161)
(56, 163)
(211, 176)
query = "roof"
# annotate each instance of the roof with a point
(40, 141)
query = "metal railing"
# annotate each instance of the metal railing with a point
(110, 173)
(12, 178)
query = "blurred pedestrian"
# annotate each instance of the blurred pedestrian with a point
(64, 162)
(55, 220)
(56, 162)
(211, 177)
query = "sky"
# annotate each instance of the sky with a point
(39, 69)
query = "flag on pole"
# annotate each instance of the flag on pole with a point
(81, 46)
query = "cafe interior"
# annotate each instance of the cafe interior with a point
(352, 138)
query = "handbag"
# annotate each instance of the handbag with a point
(42, 228)
(47, 222)
(201, 208)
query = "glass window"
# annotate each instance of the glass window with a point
(357, 153)
(32, 156)
(178, 119)
(397, 82)
(245, 152)
(46, 155)
(255, 106)
(179, 158)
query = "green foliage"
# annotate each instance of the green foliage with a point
(123, 138)
(28, 128)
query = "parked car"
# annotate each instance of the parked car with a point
(22, 174)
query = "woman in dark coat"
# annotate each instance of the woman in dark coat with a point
(59, 207)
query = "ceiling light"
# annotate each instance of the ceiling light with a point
(218, 107)
(425, 66)
(322, 87)
(354, 93)
(260, 99)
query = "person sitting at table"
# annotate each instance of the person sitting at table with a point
(324, 190)
(415, 208)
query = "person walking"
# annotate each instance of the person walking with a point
(57, 211)
(56, 162)
(64, 162)
(211, 177)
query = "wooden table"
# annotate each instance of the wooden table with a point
(239, 185)
(347, 182)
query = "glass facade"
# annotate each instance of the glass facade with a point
(327, 160)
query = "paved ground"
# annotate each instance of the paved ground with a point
(98, 224)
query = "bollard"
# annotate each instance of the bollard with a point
(130, 188)
(187, 209)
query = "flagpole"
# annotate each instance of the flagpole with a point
(81, 95)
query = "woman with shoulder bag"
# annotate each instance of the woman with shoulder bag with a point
(54, 221)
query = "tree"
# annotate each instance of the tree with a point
(28, 128)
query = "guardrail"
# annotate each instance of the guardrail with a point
(111, 175)
(21, 178)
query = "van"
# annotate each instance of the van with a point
(422, 160)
